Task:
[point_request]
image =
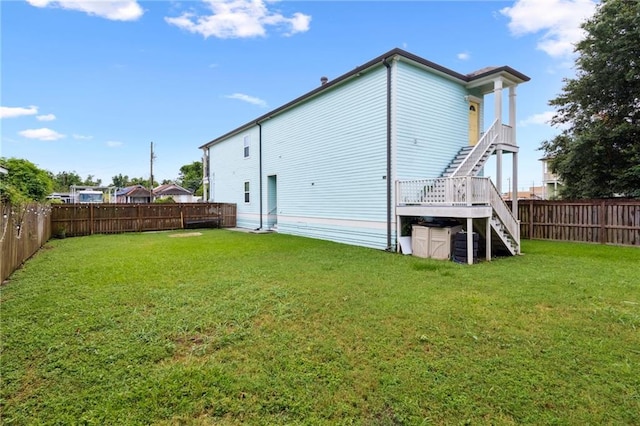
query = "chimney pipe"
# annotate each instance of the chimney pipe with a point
(323, 80)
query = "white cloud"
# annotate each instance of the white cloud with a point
(42, 134)
(82, 137)
(559, 20)
(46, 117)
(117, 10)
(463, 56)
(246, 98)
(114, 144)
(11, 112)
(239, 19)
(542, 119)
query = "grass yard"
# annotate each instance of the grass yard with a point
(232, 328)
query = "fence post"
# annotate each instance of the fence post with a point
(531, 219)
(91, 219)
(601, 219)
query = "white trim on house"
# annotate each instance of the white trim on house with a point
(370, 224)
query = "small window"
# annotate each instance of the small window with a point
(247, 196)
(247, 145)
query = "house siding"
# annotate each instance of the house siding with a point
(229, 170)
(432, 119)
(329, 156)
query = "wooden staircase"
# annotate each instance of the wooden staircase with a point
(468, 163)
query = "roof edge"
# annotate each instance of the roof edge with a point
(373, 62)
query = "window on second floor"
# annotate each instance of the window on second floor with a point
(247, 145)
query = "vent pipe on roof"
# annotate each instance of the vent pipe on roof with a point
(323, 80)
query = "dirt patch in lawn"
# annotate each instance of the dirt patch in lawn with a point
(187, 234)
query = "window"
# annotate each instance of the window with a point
(247, 196)
(247, 144)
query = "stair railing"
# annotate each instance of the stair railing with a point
(505, 215)
(478, 151)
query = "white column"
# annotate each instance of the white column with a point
(488, 238)
(512, 113)
(499, 171)
(514, 178)
(497, 95)
(470, 241)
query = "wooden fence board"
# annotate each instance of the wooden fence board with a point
(88, 219)
(22, 232)
(611, 221)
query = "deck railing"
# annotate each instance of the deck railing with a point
(461, 191)
(506, 135)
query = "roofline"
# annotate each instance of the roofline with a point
(376, 61)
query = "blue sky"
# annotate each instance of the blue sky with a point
(87, 85)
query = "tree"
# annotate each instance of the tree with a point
(120, 181)
(598, 153)
(62, 181)
(191, 176)
(24, 182)
(89, 181)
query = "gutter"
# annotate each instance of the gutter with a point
(260, 167)
(386, 64)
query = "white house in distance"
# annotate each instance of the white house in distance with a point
(176, 192)
(550, 182)
(356, 158)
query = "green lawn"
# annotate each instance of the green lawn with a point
(234, 328)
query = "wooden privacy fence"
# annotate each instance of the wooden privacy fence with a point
(23, 230)
(611, 221)
(73, 220)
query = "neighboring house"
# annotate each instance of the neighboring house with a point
(550, 182)
(3, 171)
(91, 194)
(175, 191)
(137, 194)
(534, 193)
(360, 156)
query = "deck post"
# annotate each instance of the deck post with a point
(470, 240)
(499, 170)
(514, 174)
(512, 115)
(487, 233)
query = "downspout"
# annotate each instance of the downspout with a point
(260, 167)
(386, 64)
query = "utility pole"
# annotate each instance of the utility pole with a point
(151, 158)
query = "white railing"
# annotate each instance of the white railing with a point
(506, 135)
(504, 214)
(484, 144)
(458, 191)
(461, 191)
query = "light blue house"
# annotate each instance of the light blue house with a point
(352, 160)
